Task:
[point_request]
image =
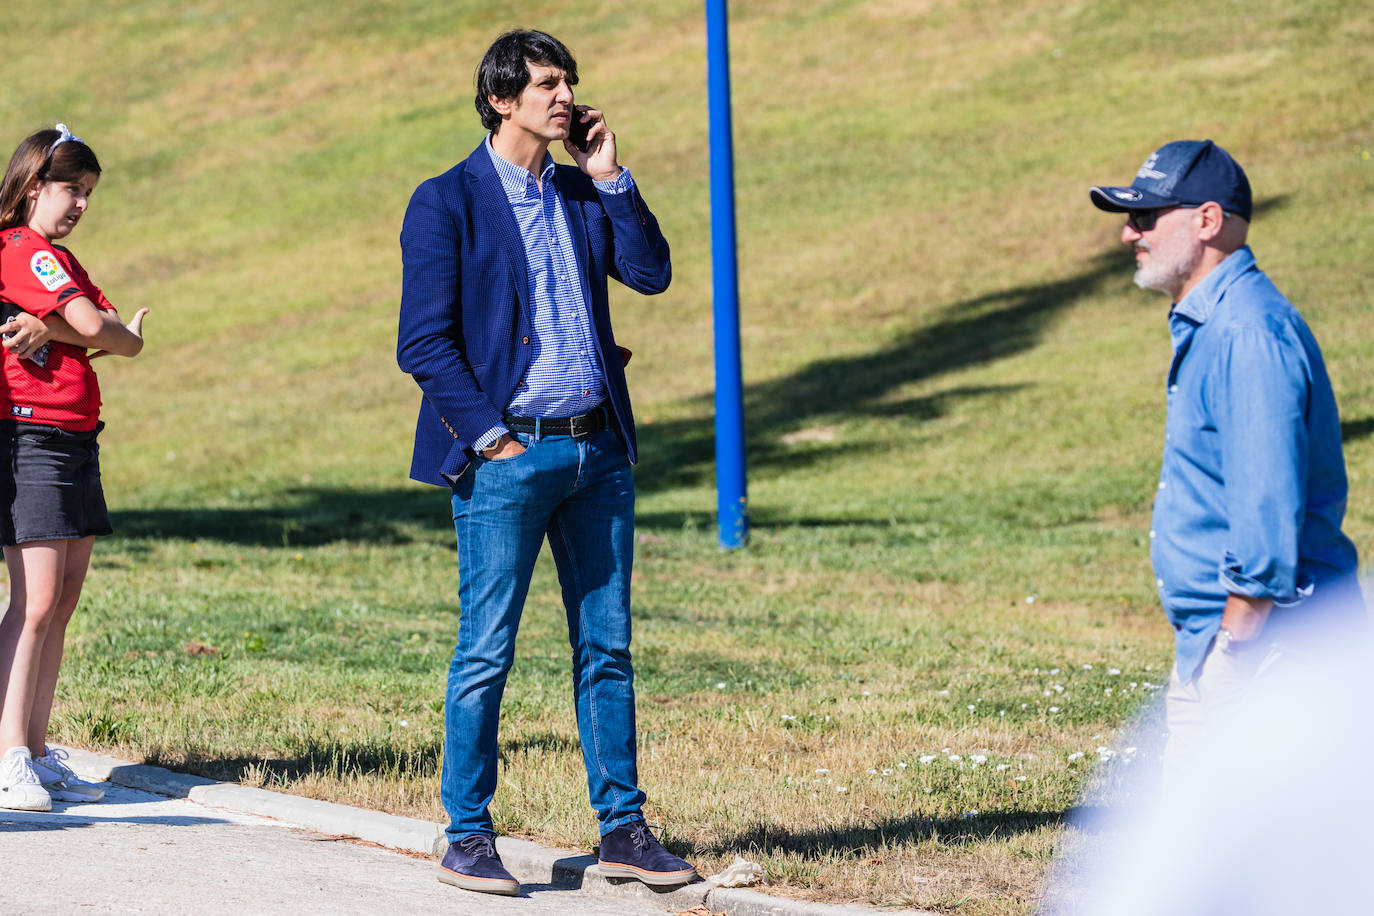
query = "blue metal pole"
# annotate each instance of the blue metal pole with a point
(732, 505)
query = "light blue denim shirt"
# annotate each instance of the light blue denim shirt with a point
(565, 375)
(1252, 489)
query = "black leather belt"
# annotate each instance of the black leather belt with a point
(585, 424)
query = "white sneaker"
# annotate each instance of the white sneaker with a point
(20, 789)
(59, 780)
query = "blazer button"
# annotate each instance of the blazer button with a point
(524, 340)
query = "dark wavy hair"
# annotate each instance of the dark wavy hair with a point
(504, 71)
(37, 159)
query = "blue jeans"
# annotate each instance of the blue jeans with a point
(579, 493)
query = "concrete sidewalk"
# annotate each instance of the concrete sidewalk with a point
(164, 842)
(137, 852)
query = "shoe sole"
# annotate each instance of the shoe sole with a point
(15, 803)
(75, 795)
(480, 885)
(654, 878)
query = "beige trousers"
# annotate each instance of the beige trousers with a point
(1195, 710)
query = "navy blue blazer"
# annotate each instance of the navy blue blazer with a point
(466, 321)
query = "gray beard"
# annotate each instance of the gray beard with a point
(1164, 276)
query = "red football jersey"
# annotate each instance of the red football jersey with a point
(58, 388)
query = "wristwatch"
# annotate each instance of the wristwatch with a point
(1228, 643)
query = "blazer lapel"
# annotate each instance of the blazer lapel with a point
(494, 209)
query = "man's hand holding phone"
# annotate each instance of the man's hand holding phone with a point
(591, 144)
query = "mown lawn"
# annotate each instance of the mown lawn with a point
(953, 393)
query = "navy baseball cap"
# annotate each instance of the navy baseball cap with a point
(1182, 172)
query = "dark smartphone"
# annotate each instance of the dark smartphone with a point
(9, 310)
(577, 130)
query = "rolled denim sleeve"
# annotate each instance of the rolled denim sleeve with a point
(1259, 399)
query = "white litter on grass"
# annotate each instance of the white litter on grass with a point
(739, 873)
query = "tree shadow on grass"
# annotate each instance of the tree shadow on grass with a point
(964, 335)
(1355, 430)
(333, 758)
(305, 517)
(341, 759)
(862, 842)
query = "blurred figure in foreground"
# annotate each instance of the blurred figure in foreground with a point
(1273, 819)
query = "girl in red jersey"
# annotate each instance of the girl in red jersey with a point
(51, 503)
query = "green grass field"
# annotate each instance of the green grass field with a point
(953, 397)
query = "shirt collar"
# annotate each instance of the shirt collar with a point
(1202, 299)
(514, 178)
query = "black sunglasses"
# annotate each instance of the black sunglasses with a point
(1144, 220)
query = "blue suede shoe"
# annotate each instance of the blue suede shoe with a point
(472, 864)
(633, 852)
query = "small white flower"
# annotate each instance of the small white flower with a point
(1075, 755)
(927, 758)
(1113, 670)
(1019, 778)
(403, 723)
(1030, 599)
(902, 765)
(978, 758)
(866, 694)
(1054, 709)
(872, 772)
(942, 693)
(887, 771)
(954, 758)
(1001, 712)
(971, 707)
(1054, 671)
(1087, 667)
(1003, 766)
(787, 718)
(720, 685)
(822, 770)
(842, 789)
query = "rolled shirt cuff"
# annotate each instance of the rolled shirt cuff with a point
(618, 185)
(488, 437)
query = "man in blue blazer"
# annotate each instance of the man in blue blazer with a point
(525, 415)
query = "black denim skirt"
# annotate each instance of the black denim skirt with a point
(53, 489)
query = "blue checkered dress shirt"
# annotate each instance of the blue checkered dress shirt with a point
(565, 375)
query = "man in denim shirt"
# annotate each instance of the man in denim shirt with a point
(1246, 541)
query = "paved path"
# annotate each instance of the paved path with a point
(137, 852)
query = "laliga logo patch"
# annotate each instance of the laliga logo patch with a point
(1127, 194)
(48, 271)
